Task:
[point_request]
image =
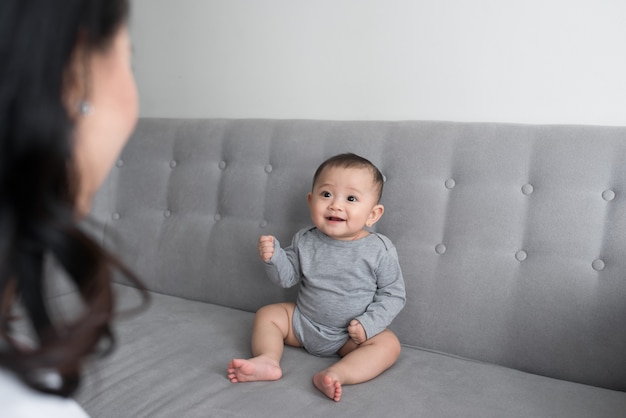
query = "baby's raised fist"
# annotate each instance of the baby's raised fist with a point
(266, 247)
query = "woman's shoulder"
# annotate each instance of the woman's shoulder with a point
(19, 401)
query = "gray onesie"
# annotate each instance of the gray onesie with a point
(339, 281)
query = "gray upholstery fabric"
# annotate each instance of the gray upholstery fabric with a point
(511, 240)
(171, 364)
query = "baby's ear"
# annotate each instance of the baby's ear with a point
(375, 214)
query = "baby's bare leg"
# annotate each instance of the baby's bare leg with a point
(271, 331)
(360, 363)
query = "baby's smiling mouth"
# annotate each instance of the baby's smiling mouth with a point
(334, 219)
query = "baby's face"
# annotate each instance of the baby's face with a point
(343, 201)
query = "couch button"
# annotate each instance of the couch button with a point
(268, 168)
(528, 189)
(222, 165)
(173, 163)
(450, 183)
(217, 217)
(598, 265)
(521, 255)
(115, 216)
(167, 213)
(119, 163)
(384, 178)
(608, 195)
(263, 224)
(440, 249)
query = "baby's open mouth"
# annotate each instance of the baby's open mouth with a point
(334, 219)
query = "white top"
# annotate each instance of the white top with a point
(19, 401)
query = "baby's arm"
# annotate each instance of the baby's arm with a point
(390, 297)
(266, 247)
(281, 265)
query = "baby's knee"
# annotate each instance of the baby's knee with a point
(268, 311)
(392, 343)
(276, 311)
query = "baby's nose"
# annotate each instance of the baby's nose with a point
(335, 205)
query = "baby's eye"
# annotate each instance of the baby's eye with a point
(352, 199)
(325, 194)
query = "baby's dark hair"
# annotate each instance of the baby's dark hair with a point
(350, 160)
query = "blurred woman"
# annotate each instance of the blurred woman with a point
(68, 104)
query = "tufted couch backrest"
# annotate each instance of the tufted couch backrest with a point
(512, 238)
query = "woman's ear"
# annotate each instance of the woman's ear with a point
(76, 80)
(375, 214)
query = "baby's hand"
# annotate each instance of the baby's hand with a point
(357, 332)
(266, 247)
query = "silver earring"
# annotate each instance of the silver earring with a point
(84, 108)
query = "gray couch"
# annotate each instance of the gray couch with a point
(512, 240)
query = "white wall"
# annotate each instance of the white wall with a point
(528, 61)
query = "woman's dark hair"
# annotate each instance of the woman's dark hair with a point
(39, 183)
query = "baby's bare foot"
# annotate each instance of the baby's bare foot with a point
(328, 383)
(257, 368)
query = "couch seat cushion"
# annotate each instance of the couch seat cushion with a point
(171, 362)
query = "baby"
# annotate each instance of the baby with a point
(351, 285)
